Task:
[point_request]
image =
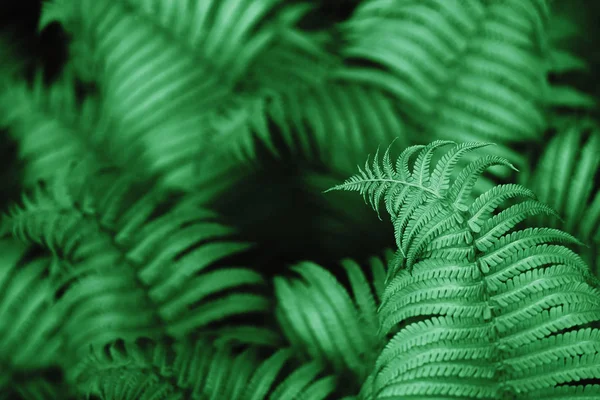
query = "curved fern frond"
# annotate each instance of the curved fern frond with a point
(566, 177)
(52, 130)
(188, 370)
(480, 310)
(168, 69)
(457, 67)
(53, 213)
(323, 322)
(31, 340)
(335, 121)
(143, 270)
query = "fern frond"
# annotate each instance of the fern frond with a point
(53, 214)
(561, 61)
(479, 307)
(408, 192)
(156, 265)
(565, 177)
(31, 339)
(198, 371)
(167, 70)
(322, 321)
(52, 130)
(457, 67)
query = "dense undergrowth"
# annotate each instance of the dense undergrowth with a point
(170, 228)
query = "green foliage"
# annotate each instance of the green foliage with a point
(173, 239)
(572, 160)
(318, 315)
(501, 312)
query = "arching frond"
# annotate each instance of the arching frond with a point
(144, 271)
(198, 371)
(31, 341)
(51, 129)
(457, 67)
(322, 321)
(167, 69)
(480, 310)
(566, 177)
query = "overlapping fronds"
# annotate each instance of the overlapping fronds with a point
(324, 323)
(480, 310)
(143, 270)
(167, 69)
(567, 177)
(128, 370)
(175, 170)
(457, 67)
(31, 342)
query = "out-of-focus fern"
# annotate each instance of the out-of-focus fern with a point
(561, 61)
(187, 370)
(166, 70)
(215, 103)
(31, 341)
(144, 271)
(567, 178)
(457, 67)
(475, 308)
(51, 128)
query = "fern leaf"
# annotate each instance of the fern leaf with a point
(569, 185)
(51, 129)
(156, 265)
(457, 67)
(321, 320)
(474, 302)
(197, 371)
(31, 341)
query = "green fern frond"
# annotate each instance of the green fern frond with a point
(53, 213)
(31, 339)
(477, 314)
(457, 67)
(193, 56)
(408, 193)
(51, 129)
(188, 370)
(561, 60)
(146, 271)
(335, 121)
(322, 321)
(566, 178)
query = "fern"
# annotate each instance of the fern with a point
(196, 371)
(566, 178)
(475, 310)
(121, 250)
(52, 129)
(192, 79)
(562, 61)
(174, 170)
(30, 335)
(320, 317)
(441, 59)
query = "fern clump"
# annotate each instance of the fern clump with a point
(173, 240)
(475, 308)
